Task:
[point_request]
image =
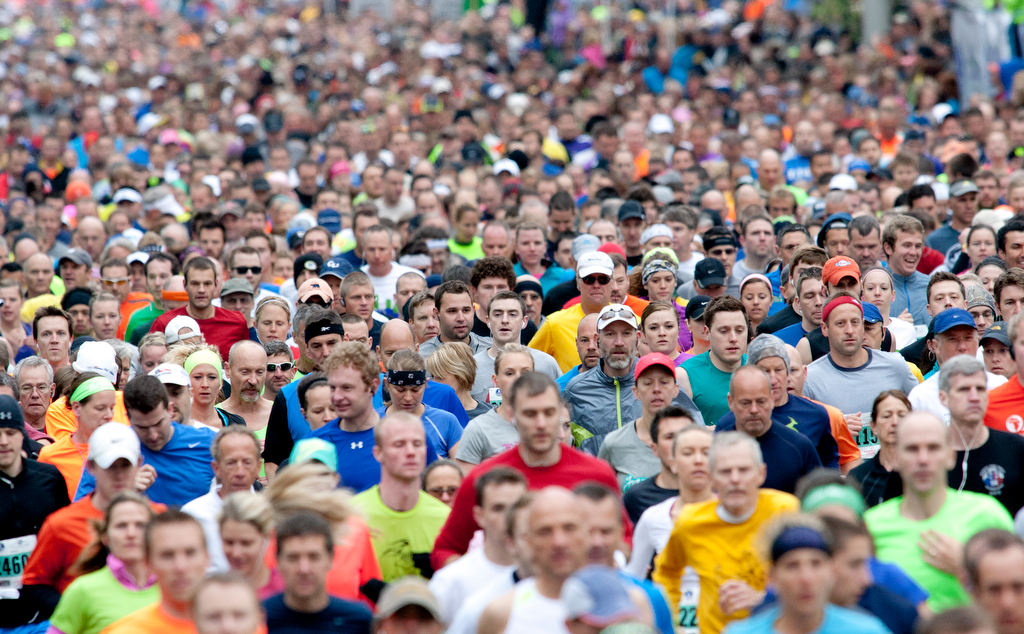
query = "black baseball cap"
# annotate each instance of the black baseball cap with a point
(307, 262)
(695, 307)
(631, 209)
(709, 272)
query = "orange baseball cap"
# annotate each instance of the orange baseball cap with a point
(839, 267)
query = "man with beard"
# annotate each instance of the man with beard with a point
(247, 368)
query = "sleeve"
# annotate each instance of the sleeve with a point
(828, 449)
(669, 565)
(848, 450)
(809, 391)
(458, 530)
(45, 563)
(472, 447)
(69, 617)
(643, 550)
(279, 442)
(85, 486)
(454, 432)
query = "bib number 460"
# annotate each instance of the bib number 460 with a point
(13, 565)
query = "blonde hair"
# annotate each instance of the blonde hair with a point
(248, 508)
(352, 354)
(179, 353)
(454, 359)
(290, 492)
(510, 349)
(274, 301)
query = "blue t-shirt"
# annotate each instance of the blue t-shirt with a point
(788, 454)
(438, 395)
(808, 418)
(792, 334)
(837, 621)
(568, 376)
(358, 469)
(443, 430)
(891, 576)
(798, 168)
(340, 616)
(662, 615)
(183, 470)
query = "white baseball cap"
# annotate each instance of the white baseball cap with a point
(616, 312)
(98, 357)
(111, 441)
(843, 182)
(171, 374)
(177, 324)
(654, 231)
(127, 194)
(506, 165)
(594, 262)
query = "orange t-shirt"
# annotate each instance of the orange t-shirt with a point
(60, 421)
(354, 562)
(69, 457)
(59, 543)
(848, 449)
(152, 619)
(1006, 407)
(134, 302)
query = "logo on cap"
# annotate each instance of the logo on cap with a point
(843, 263)
(5, 416)
(310, 265)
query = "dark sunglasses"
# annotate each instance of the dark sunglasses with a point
(590, 280)
(242, 270)
(284, 367)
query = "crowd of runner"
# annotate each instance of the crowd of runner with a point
(530, 317)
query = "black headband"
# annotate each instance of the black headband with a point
(406, 378)
(529, 285)
(323, 327)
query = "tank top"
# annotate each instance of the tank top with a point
(533, 613)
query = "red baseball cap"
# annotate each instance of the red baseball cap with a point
(611, 247)
(653, 359)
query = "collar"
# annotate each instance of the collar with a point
(121, 575)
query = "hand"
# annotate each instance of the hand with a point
(735, 595)
(942, 552)
(854, 422)
(906, 316)
(145, 478)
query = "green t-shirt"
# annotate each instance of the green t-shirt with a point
(144, 315)
(896, 539)
(402, 540)
(94, 601)
(472, 251)
(710, 386)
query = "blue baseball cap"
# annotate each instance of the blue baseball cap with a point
(951, 318)
(329, 219)
(338, 267)
(859, 164)
(839, 220)
(597, 596)
(871, 313)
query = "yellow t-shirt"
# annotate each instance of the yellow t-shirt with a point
(29, 308)
(718, 551)
(557, 337)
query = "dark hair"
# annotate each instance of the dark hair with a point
(596, 492)
(494, 266)
(842, 531)
(163, 257)
(865, 225)
(200, 263)
(1012, 225)
(1013, 277)
(303, 524)
(443, 462)
(562, 200)
(216, 225)
(919, 191)
(144, 393)
(451, 287)
(531, 384)
(669, 411)
(496, 477)
(49, 311)
(967, 618)
(168, 517)
(820, 477)
(723, 304)
(943, 276)
(310, 380)
(114, 262)
(896, 394)
(78, 380)
(501, 295)
(983, 543)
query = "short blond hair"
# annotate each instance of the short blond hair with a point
(454, 359)
(248, 508)
(352, 354)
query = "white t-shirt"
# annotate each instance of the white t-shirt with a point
(688, 267)
(467, 618)
(457, 581)
(926, 395)
(404, 207)
(903, 332)
(384, 287)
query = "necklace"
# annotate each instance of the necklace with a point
(967, 453)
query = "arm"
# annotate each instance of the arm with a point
(684, 382)
(804, 348)
(494, 618)
(643, 551)
(668, 567)
(279, 440)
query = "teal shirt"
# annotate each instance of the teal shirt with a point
(710, 386)
(552, 277)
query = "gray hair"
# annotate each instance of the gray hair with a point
(960, 365)
(301, 316)
(8, 380)
(276, 347)
(726, 439)
(33, 362)
(124, 243)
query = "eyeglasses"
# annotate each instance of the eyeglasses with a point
(284, 367)
(242, 270)
(437, 491)
(590, 280)
(115, 281)
(42, 388)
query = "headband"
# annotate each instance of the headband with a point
(415, 260)
(656, 266)
(94, 385)
(407, 378)
(756, 277)
(323, 327)
(836, 302)
(174, 296)
(796, 537)
(199, 357)
(433, 245)
(529, 285)
(833, 494)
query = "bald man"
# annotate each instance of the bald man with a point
(247, 369)
(586, 347)
(924, 530)
(90, 236)
(769, 170)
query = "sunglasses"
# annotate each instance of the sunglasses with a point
(721, 252)
(242, 270)
(115, 281)
(618, 312)
(590, 280)
(436, 491)
(284, 367)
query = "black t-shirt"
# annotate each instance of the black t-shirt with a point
(643, 495)
(789, 456)
(558, 295)
(876, 484)
(634, 260)
(339, 617)
(994, 468)
(774, 323)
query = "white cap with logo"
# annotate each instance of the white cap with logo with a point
(594, 262)
(112, 441)
(172, 374)
(98, 357)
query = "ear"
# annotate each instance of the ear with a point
(376, 452)
(944, 399)
(478, 515)
(764, 474)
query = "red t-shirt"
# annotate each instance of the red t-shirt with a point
(1006, 407)
(224, 329)
(574, 468)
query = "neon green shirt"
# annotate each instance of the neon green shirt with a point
(401, 538)
(472, 251)
(94, 601)
(896, 539)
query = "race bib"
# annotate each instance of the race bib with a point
(688, 599)
(14, 554)
(867, 441)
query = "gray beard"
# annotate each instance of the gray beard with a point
(618, 365)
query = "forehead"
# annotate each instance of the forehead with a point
(456, 299)
(52, 322)
(505, 304)
(919, 430)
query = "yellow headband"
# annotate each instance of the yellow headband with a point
(200, 357)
